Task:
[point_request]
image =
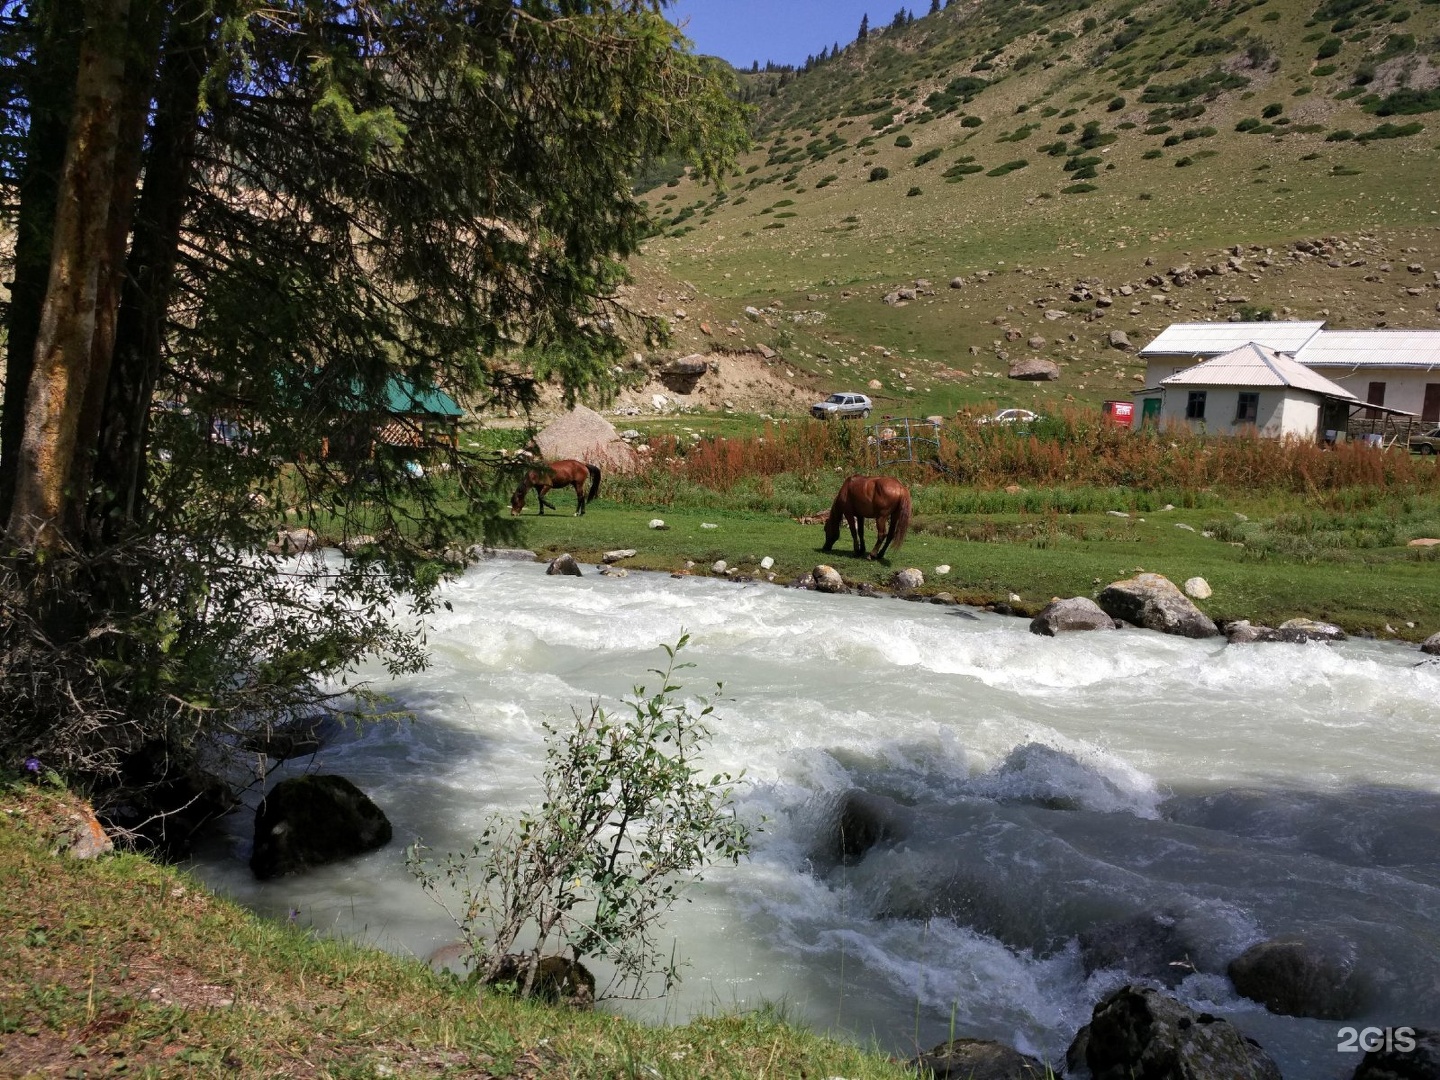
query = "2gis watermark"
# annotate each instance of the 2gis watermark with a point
(1398, 1040)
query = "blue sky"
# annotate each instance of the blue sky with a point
(785, 31)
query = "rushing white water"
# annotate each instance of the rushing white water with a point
(1053, 786)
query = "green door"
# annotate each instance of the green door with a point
(1150, 411)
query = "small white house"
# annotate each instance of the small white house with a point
(1251, 388)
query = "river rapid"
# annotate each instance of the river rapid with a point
(1052, 786)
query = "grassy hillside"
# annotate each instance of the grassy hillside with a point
(1062, 157)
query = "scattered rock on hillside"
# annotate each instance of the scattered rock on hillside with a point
(1064, 616)
(827, 579)
(1197, 588)
(1300, 977)
(1153, 601)
(85, 838)
(1035, 370)
(1299, 630)
(1421, 1062)
(308, 821)
(978, 1059)
(875, 384)
(1119, 340)
(1055, 314)
(564, 566)
(1035, 341)
(658, 523)
(618, 554)
(1138, 1031)
(1431, 645)
(957, 283)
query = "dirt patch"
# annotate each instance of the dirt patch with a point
(743, 381)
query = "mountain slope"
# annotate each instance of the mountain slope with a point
(1074, 152)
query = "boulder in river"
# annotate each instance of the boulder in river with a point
(1139, 1032)
(1063, 616)
(1403, 1061)
(863, 820)
(1154, 602)
(1300, 630)
(1148, 946)
(1242, 632)
(563, 566)
(1301, 977)
(1431, 645)
(979, 1059)
(308, 821)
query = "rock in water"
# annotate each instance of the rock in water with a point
(1146, 947)
(1431, 645)
(978, 1059)
(1077, 613)
(1300, 630)
(828, 579)
(1299, 977)
(1153, 601)
(863, 820)
(312, 820)
(1140, 1032)
(1403, 1061)
(1241, 632)
(564, 566)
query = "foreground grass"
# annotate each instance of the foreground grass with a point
(1267, 560)
(122, 967)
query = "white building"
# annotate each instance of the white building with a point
(1183, 345)
(1248, 389)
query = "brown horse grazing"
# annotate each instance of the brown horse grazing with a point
(883, 498)
(557, 474)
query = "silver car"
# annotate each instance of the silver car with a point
(841, 405)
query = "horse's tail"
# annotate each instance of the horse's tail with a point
(594, 481)
(900, 521)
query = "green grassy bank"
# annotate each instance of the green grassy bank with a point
(120, 967)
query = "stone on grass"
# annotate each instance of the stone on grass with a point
(719, 566)
(827, 579)
(766, 563)
(1035, 370)
(979, 1059)
(907, 579)
(1197, 588)
(1119, 340)
(658, 523)
(618, 554)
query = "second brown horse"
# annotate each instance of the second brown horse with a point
(883, 498)
(556, 474)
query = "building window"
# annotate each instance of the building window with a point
(1248, 409)
(1195, 405)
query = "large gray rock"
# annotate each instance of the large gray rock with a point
(1035, 370)
(1431, 645)
(1138, 1033)
(1242, 632)
(978, 1059)
(828, 579)
(1119, 340)
(1063, 616)
(1153, 601)
(563, 566)
(1300, 977)
(1299, 630)
(907, 579)
(1420, 1062)
(308, 821)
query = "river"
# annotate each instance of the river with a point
(1054, 786)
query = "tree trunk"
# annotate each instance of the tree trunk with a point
(51, 93)
(119, 476)
(63, 346)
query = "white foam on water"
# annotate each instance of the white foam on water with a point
(926, 704)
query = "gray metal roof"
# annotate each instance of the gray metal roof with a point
(1255, 365)
(1372, 348)
(1216, 338)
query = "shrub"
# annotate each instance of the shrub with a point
(1406, 102)
(1008, 167)
(1323, 70)
(1390, 131)
(971, 122)
(1158, 129)
(1272, 110)
(1328, 48)
(1215, 82)
(1248, 124)
(879, 173)
(913, 192)
(1116, 104)
(928, 156)
(1077, 189)
(1151, 155)
(625, 822)
(904, 142)
(1181, 163)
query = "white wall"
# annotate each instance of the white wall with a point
(1404, 387)
(1281, 412)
